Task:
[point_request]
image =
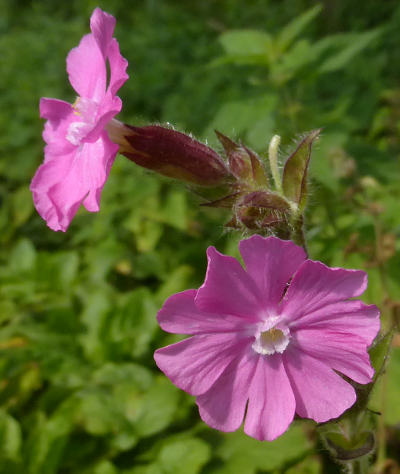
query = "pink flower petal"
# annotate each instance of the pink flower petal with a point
(272, 404)
(325, 332)
(86, 67)
(75, 136)
(54, 109)
(111, 104)
(85, 179)
(320, 393)
(228, 289)
(352, 316)
(180, 315)
(107, 110)
(223, 406)
(57, 215)
(344, 352)
(315, 285)
(96, 165)
(271, 263)
(59, 115)
(102, 25)
(194, 364)
(61, 185)
(118, 66)
(86, 64)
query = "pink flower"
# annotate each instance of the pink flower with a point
(270, 338)
(78, 152)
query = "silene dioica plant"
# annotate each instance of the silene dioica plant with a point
(283, 337)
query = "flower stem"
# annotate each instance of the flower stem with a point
(297, 235)
(381, 435)
(358, 466)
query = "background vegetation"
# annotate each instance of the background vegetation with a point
(79, 390)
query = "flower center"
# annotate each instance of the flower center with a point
(86, 110)
(271, 341)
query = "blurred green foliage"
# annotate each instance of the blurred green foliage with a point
(79, 390)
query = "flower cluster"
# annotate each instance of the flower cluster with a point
(269, 341)
(78, 152)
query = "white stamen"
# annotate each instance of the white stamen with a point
(271, 341)
(76, 131)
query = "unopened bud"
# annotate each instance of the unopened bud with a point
(344, 449)
(171, 154)
(244, 163)
(295, 171)
(262, 210)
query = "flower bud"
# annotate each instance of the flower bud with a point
(294, 179)
(262, 210)
(343, 449)
(171, 154)
(244, 163)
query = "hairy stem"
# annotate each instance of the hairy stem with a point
(297, 234)
(358, 466)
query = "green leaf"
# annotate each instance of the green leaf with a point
(386, 395)
(153, 468)
(94, 318)
(159, 405)
(289, 33)
(23, 256)
(294, 179)
(102, 257)
(174, 211)
(243, 45)
(10, 437)
(356, 43)
(97, 413)
(175, 281)
(131, 328)
(68, 264)
(252, 118)
(103, 467)
(321, 167)
(379, 352)
(22, 204)
(298, 57)
(113, 374)
(310, 465)
(47, 442)
(244, 455)
(148, 233)
(186, 456)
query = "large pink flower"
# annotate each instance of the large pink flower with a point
(270, 338)
(78, 152)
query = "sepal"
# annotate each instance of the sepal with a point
(244, 164)
(173, 154)
(295, 171)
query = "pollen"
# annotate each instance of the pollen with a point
(75, 106)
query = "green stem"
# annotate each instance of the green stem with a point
(297, 235)
(381, 435)
(359, 466)
(385, 319)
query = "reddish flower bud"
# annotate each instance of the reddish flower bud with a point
(244, 163)
(171, 154)
(262, 210)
